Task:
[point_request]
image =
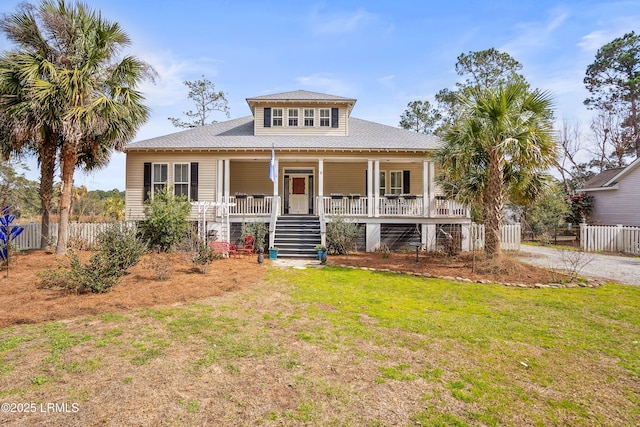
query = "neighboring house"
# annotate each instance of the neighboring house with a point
(326, 164)
(616, 196)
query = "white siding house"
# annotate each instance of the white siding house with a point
(616, 195)
(327, 164)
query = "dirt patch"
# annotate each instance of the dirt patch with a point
(508, 270)
(23, 301)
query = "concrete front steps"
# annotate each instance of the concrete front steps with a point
(297, 235)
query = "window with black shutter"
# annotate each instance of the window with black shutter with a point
(147, 181)
(267, 117)
(334, 117)
(194, 182)
(406, 182)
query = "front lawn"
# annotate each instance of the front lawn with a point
(339, 347)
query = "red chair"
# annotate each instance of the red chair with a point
(247, 245)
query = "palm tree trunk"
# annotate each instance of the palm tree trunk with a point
(493, 205)
(47, 168)
(69, 161)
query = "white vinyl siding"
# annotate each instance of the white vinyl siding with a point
(301, 129)
(621, 206)
(309, 117)
(325, 117)
(181, 179)
(293, 117)
(134, 196)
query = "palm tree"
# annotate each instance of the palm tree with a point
(501, 147)
(89, 94)
(26, 126)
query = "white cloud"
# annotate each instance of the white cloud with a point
(534, 35)
(339, 23)
(387, 80)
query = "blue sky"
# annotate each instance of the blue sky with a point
(385, 54)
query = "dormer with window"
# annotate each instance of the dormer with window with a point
(301, 113)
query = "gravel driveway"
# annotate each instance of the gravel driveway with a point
(620, 269)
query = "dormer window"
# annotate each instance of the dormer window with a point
(293, 117)
(276, 117)
(309, 116)
(325, 117)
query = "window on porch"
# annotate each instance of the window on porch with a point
(383, 183)
(395, 182)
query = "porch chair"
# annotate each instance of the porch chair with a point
(247, 245)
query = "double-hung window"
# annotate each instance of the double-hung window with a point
(293, 116)
(309, 116)
(396, 182)
(383, 183)
(276, 117)
(159, 176)
(325, 117)
(181, 179)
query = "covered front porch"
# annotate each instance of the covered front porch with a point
(355, 188)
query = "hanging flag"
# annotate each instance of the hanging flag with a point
(272, 165)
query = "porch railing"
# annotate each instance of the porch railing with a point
(392, 205)
(401, 206)
(448, 208)
(344, 205)
(251, 205)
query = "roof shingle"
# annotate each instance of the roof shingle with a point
(238, 134)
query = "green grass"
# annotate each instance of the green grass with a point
(335, 341)
(498, 333)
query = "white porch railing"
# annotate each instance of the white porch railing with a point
(615, 238)
(393, 206)
(251, 205)
(448, 208)
(401, 206)
(339, 205)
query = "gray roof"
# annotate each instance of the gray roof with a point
(237, 134)
(300, 95)
(602, 178)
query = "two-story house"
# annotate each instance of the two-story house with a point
(326, 164)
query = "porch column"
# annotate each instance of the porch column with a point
(276, 202)
(219, 181)
(432, 188)
(227, 178)
(425, 188)
(320, 184)
(370, 188)
(376, 187)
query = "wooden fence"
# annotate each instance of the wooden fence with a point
(510, 238)
(614, 238)
(81, 235)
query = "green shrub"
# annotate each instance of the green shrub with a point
(258, 230)
(122, 247)
(342, 235)
(166, 223)
(203, 255)
(119, 249)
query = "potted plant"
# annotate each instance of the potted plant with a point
(320, 248)
(273, 253)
